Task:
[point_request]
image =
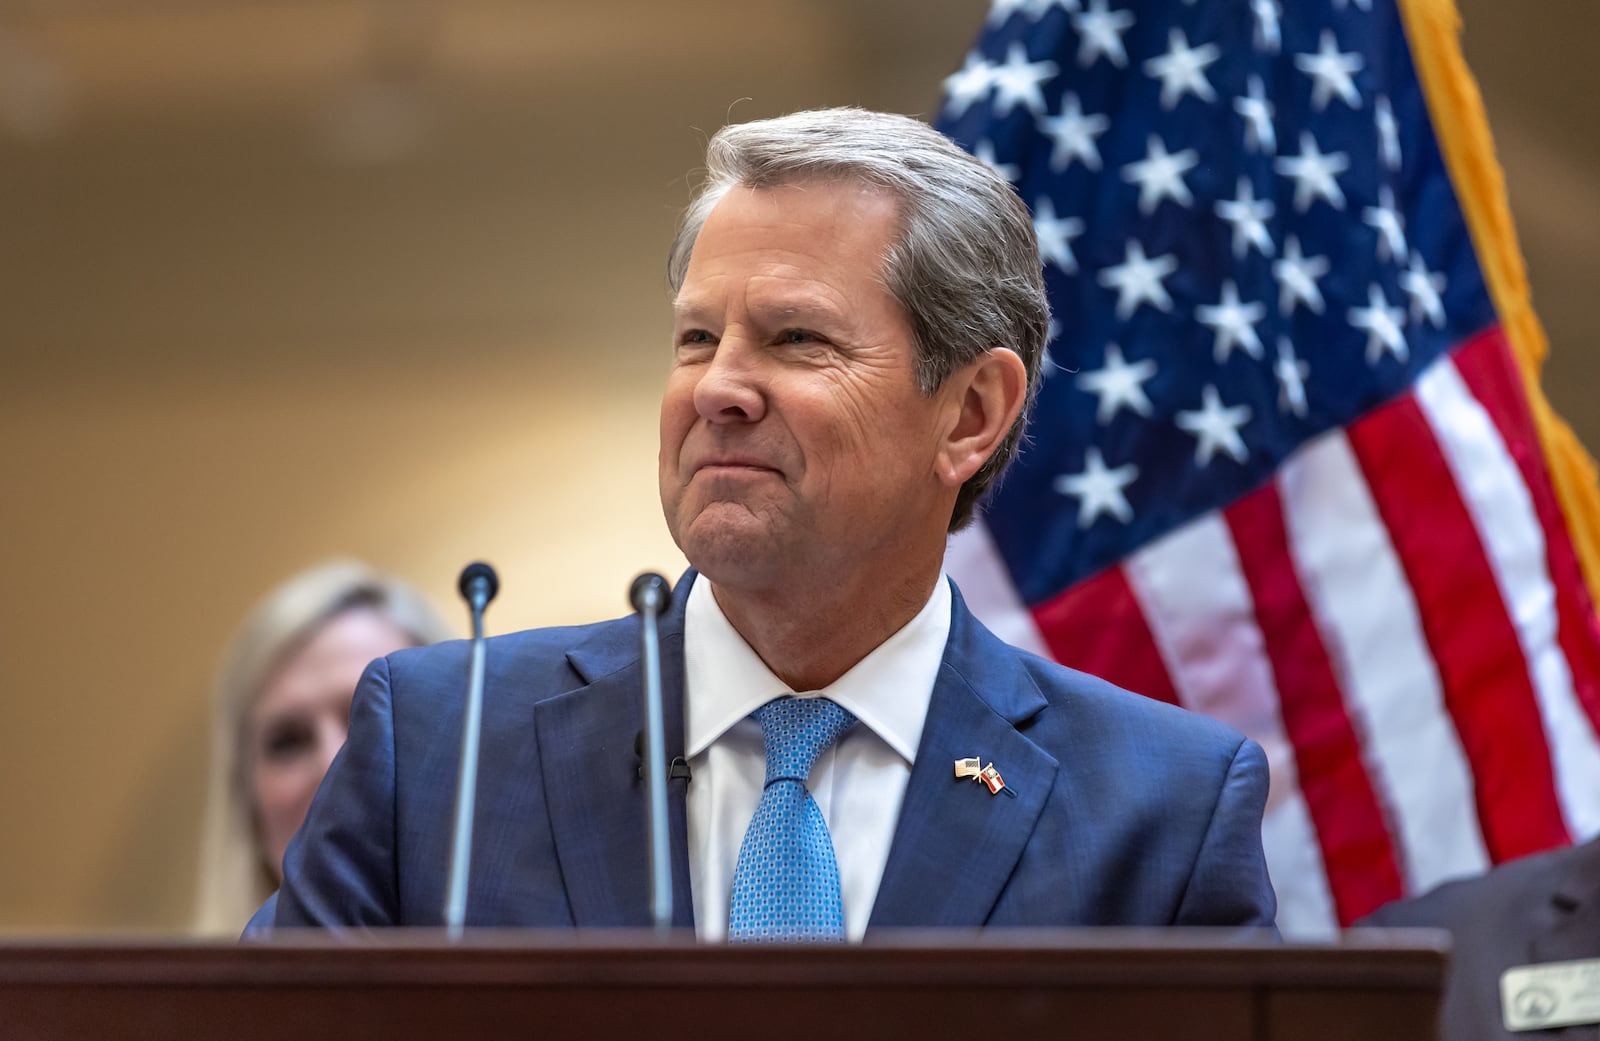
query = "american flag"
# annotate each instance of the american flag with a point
(1283, 469)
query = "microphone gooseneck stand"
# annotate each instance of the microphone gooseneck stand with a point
(649, 594)
(478, 586)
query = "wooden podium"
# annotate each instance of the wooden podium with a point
(1144, 986)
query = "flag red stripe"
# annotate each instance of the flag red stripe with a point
(1344, 807)
(1487, 689)
(1487, 367)
(1098, 626)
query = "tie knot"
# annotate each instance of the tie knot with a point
(795, 731)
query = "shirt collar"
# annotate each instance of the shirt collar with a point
(888, 690)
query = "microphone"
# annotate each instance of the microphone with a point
(649, 595)
(478, 586)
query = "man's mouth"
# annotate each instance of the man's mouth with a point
(734, 464)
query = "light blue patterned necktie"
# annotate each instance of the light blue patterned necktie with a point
(786, 882)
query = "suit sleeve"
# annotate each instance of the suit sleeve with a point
(339, 870)
(1229, 885)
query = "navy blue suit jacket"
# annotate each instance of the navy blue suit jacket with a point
(1127, 811)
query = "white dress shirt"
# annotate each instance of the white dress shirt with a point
(858, 784)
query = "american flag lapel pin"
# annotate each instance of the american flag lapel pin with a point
(969, 768)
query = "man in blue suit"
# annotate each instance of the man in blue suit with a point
(859, 322)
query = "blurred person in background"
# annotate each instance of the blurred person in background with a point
(1540, 915)
(280, 712)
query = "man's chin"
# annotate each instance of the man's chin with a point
(733, 553)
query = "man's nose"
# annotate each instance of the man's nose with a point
(731, 387)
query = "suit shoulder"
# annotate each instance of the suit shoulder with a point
(1081, 710)
(1531, 878)
(1103, 707)
(535, 661)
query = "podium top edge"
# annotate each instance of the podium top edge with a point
(1385, 959)
(1349, 942)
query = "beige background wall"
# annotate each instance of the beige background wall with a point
(251, 316)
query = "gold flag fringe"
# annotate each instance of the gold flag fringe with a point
(1433, 29)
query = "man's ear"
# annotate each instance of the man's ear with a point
(987, 395)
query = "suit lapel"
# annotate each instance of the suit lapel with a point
(956, 844)
(593, 792)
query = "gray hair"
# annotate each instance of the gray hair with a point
(966, 269)
(234, 874)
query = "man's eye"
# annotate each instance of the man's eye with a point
(798, 336)
(693, 336)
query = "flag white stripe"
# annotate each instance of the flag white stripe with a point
(1508, 525)
(1197, 602)
(1367, 616)
(973, 561)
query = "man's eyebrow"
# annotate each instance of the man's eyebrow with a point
(806, 310)
(796, 310)
(773, 313)
(689, 310)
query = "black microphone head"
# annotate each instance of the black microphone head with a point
(478, 578)
(649, 592)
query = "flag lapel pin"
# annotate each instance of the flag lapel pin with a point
(994, 782)
(987, 776)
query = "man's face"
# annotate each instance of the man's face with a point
(795, 444)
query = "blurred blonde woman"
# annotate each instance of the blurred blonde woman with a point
(280, 713)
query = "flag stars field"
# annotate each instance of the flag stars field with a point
(1315, 174)
(1388, 132)
(1382, 324)
(1385, 219)
(1119, 384)
(1035, 9)
(1332, 73)
(1234, 323)
(1000, 11)
(1426, 290)
(1020, 81)
(1159, 175)
(1056, 235)
(1137, 280)
(1182, 70)
(968, 84)
(1099, 489)
(1292, 374)
(1100, 34)
(1297, 276)
(1269, 25)
(1073, 134)
(1215, 427)
(1253, 105)
(1248, 217)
